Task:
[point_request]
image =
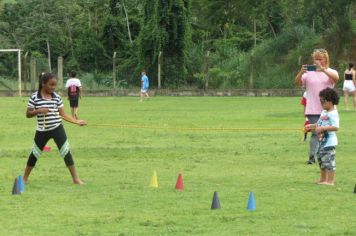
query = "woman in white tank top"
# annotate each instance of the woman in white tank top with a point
(349, 86)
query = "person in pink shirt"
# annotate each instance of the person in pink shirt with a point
(316, 78)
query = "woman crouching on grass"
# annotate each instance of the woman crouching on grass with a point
(48, 107)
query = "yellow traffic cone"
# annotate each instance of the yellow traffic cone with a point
(154, 182)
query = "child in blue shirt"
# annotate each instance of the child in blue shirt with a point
(144, 85)
(326, 128)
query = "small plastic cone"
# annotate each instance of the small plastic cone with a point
(16, 188)
(21, 184)
(46, 149)
(179, 184)
(216, 203)
(251, 205)
(154, 182)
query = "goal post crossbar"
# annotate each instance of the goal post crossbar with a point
(10, 50)
(18, 65)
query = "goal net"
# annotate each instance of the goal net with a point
(10, 70)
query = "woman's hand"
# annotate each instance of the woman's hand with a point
(81, 122)
(310, 127)
(298, 78)
(70, 118)
(319, 67)
(44, 110)
(31, 112)
(303, 69)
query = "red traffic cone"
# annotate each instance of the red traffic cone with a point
(179, 184)
(46, 149)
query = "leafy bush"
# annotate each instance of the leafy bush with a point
(96, 81)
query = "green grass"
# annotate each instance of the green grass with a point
(117, 163)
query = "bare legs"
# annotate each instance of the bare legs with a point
(326, 177)
(143, 95)
(74, 175)
(322, 179)
(354, 99)
(71, 169)
(330, 177)
(74, 112)
(27, 173)
(346, 100)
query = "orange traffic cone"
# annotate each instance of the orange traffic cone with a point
(179, 184)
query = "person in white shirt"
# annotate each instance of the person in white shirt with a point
(75, 91)
(349, 86)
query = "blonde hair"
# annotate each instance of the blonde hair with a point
(322, 52)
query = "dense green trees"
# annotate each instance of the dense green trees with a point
(204, 43)
(166, 29)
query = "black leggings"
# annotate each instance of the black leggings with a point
(60, 138)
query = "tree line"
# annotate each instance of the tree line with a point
(200, 43)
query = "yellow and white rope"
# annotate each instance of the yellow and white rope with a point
(125, 126)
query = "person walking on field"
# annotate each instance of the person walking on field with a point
(349, 86)
(315, 78)
(47, 106)
(145, 84)
(75, 91)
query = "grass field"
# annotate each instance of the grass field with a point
(117, 164)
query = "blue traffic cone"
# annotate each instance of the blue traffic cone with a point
(21, 184)
(216, 203)
(251, 205)
(16, 188)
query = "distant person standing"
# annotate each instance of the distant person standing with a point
(74, 88)
(349, 86)
(145, 84)
(315, 78)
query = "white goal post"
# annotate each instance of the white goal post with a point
(19, 65)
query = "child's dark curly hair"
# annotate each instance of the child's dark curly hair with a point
(329, 95)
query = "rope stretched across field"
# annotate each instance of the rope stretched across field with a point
(191, 128)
